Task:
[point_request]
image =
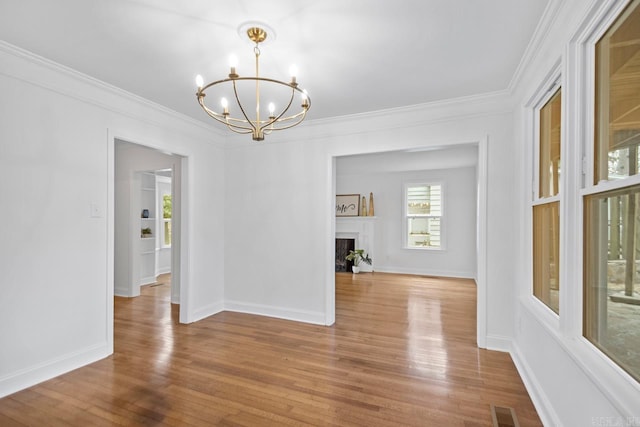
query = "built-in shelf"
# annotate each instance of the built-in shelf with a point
(147, 248)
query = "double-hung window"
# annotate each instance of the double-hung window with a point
(423, 216)
(546, 202)
(611, 310)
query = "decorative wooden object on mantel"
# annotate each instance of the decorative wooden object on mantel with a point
(371, 210)
(363, 207)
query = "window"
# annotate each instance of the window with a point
(611, 203)
(612, 234)
(617, 108)
(423, 216)
(166, 220)
(546, 205)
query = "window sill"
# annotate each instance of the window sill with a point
(426, 248)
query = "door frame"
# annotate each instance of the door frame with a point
(482, 183)
(180, 253)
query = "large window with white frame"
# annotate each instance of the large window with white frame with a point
(546, 200)
(611, 200)
(423, 222)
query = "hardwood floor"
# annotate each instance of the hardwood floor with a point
(402, 352)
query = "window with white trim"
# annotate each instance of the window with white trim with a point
(611, 200)
(423, 222)
(546, 201)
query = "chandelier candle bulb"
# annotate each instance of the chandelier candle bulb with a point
(233, 64)
(225, 106)
(199, 81)
(294, 72)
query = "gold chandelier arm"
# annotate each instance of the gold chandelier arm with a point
(301, 115)
(248, 120)
(224, 119)
(284, 110)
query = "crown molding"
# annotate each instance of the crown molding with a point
(102, 86)
(541, 32)
(400, 118)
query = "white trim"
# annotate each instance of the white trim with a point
(110, 255)
(121, 135)
(104, 99)
(204, 312)
(550, 85)
(541, 312)
(546, 200)
(482, 241)
(33, 375)
(613, 382)
(536, 392)
(499, 343)
(443, 111)
(186, 219)
(314, 317)
(605, 186)
(536, 42)
(426, 272)
(406, 216)
(330, 223)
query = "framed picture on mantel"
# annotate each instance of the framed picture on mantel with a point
(347, 204)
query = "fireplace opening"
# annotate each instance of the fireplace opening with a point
(343, 246)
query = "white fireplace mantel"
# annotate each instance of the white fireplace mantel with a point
(362, 229)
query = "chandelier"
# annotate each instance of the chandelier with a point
(247, 93)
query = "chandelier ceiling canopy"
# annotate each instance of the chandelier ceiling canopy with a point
(245, 115)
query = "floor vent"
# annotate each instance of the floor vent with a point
(504, 417)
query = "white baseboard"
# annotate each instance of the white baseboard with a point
(539, 398)
(499, 343)
(317, 318)
(50, 369)
(175, 298)
(426, 272)
(206, 311)
(121, 292)
(164, 270)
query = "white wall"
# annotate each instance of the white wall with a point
(280, 197)
(458, 259)
(57, 131)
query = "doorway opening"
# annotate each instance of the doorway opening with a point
(389, 205)
(147, 221)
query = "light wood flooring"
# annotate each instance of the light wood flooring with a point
(402, 352)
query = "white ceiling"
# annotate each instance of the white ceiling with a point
(353, 56)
